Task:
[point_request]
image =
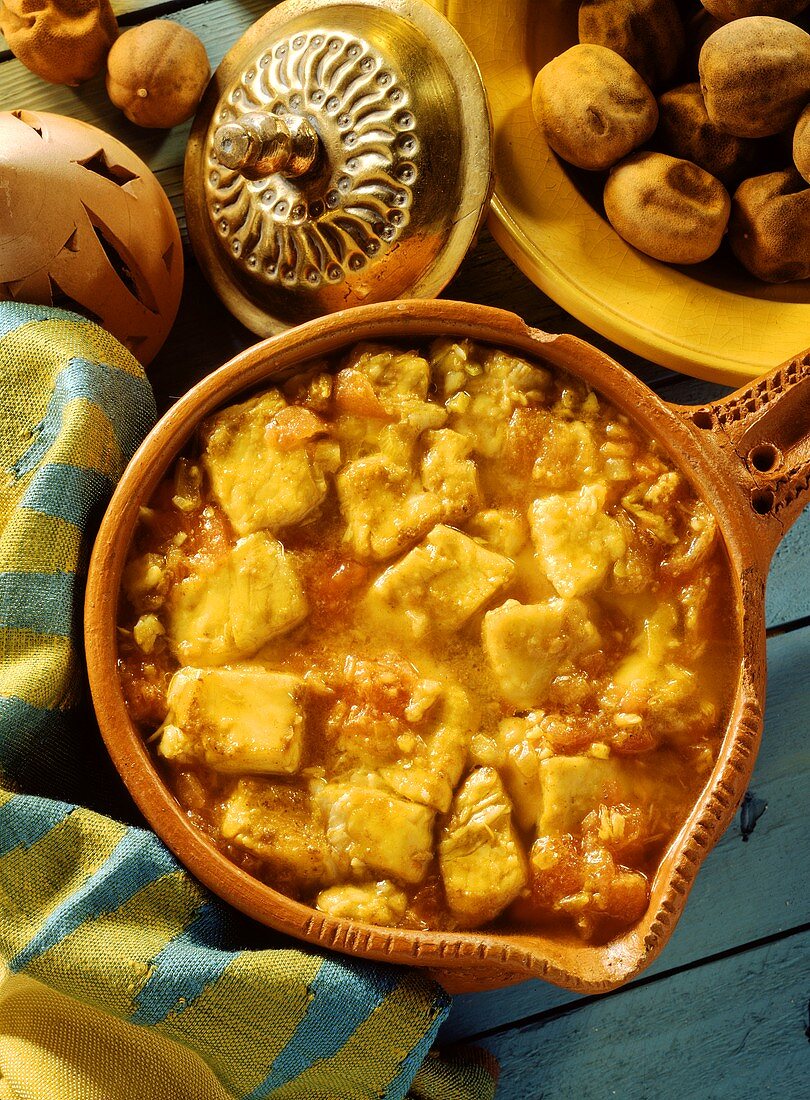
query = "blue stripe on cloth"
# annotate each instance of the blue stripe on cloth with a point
(40, 602)
(184, 968)
(66, 492)
(25, 819)
(125, 399)
(399, 1086)
(326, 1027)
(54, 753)
(138, 859)
(37, 754)
(15, 314)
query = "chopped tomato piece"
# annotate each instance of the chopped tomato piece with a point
(207, 531)
(293, 426)
(354, 394)
(343, 580)
(144, 681)
(330, 581)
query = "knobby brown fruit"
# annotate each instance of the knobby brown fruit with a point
(769, 229)
(593, 106)
(755, 76)
(666, 207)
(157, 73)
(62, 41)
(648, 34)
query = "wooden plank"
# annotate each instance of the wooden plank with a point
(131, 12)
(680, 390)
(746, 889)
(788, 594)
(203, 337)
(732, 1026)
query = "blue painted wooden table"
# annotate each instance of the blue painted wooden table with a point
(724, 1010)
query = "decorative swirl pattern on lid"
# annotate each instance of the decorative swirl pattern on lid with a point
(352, 205)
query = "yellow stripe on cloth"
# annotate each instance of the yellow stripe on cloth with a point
(108, 957)
(375, 1050)
(58, 340)
(55, 1048)
(50, 344)
(87, 439)
(461, 1073)
(40, 669)
(75, 385)
(36, 881)
(51, 543)
(12, 486)
(231, 1024)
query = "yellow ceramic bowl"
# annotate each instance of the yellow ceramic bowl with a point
(712, 320)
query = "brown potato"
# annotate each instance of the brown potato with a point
(769, 228)
(668, 208)
(755, 75)
(648, 34)
(593, 107)
(727, 10)
(801, 144)
(686, 131)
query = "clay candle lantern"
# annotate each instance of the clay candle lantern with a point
(86, 226)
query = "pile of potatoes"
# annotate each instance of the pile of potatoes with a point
(725, 146)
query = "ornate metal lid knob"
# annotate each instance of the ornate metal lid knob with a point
(341, 155)
(259, 145)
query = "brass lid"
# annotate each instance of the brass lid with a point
(341, 155)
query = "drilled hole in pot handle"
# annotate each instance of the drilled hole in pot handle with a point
(763, 429)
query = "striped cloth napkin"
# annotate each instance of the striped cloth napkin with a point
(100, 928)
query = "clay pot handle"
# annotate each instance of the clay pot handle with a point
(762, 432)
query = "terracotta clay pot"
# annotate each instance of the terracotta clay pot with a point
(748, 456)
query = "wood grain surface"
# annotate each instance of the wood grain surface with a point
(724, 1011)
(735, 1026)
